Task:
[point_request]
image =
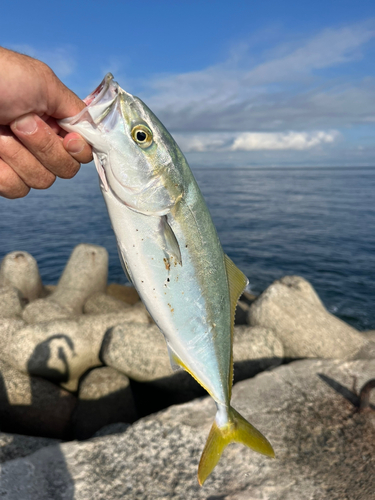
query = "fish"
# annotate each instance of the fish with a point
(170, 251)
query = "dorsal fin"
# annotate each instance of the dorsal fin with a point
(237, 282)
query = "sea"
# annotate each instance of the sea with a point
(318, 223)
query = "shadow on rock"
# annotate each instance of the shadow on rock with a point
(34, 406)
(181, 387)
(33, 478)
(47, 351)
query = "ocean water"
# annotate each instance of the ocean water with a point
(315, 223)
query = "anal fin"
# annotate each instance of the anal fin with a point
(175, 361)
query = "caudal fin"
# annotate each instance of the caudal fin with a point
(238, 430)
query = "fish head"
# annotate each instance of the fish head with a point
(136, 157)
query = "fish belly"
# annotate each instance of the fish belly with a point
(189, 301)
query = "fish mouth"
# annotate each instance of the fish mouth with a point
(104, 84)
(100, 90)
(98, 104)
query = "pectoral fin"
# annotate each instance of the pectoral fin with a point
(237, 282)
(169, 243)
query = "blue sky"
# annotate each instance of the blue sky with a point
(237, 83)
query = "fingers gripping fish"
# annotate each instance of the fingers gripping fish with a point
(170, 250)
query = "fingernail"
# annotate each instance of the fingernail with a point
(75, 146)
(26, 124)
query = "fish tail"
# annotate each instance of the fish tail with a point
(235, 429)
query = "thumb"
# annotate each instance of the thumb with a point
(63, 102)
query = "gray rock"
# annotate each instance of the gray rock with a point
(370, 334)
(324, 448)
(8, 326)
(20, 270)
(126, 293)
(255, 349)
(31, 405)
(85, 274)
(43, 310)
(63, 350)
(293, 310)
(101, 303)
(137, 350)
(108, 430)
(10, 302)
(105, 397)
(16, 445)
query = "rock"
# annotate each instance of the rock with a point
(248, 297)
(294, 311)
(43, 310)
(31, 405)
(101, 303)
(105, 397)
(137, 350)
(324, 448)
(8, 326)
(10, 302)
(63, 350)
(125, 293)
(20, 270)
(84, 274)
(110, 429)
(242, 311)
(16, 445)
(255, 349)
(370, 334)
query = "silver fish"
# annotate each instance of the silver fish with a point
(169, 250)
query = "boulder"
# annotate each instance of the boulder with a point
(101, 303)
(137, 350)
(324, 447)
(291, 307)
(16, 445)
(32, 405)
(8, 326)
(63, 350)
(370, 334)
(126, 293)
(105, 397)
(20, 270)
(43, 310)
(85, 274)
(255, 349)
(10, 302)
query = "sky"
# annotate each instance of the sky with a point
(271, 83)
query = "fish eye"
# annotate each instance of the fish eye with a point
(142, 135)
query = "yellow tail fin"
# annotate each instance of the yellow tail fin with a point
(238, 430)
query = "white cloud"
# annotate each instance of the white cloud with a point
(288, 90)
(254, 141)
(251, 141)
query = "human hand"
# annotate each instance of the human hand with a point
(33, 148)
